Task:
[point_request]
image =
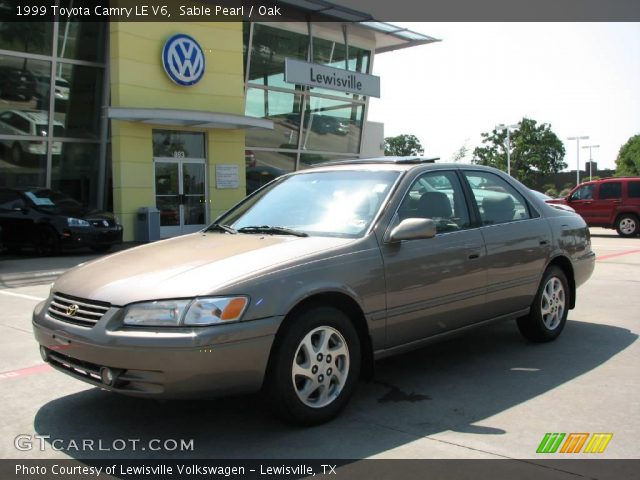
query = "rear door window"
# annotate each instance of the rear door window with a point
(610, 190)
(497, 201)
(633, 189)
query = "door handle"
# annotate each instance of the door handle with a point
(181, 199)
(474, 256)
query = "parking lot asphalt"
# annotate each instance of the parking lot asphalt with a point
(488, 394)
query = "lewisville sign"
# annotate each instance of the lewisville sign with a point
(315, 75)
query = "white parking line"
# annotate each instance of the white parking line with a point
(20, 295)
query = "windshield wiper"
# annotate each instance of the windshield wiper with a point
(218, 227)
(276, 230)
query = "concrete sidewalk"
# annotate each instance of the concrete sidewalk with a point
(27, 269)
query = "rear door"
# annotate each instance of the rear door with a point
(517, 240)
(606, 203)
(632, 198)
(435, 284)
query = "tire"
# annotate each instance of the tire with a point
(627, 225)
(550, 307)
(47, 242)
(311, 387)
(100, 248)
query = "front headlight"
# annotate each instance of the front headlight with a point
(196, 312)
(77, 222)
(156, 314)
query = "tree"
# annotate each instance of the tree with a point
(628, 161)
(535, 151)
(461, 153)
(402, 146)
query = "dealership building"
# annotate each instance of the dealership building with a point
(186, 117)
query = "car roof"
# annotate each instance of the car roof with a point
(391, 163)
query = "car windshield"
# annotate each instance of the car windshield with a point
(51, 198)
(337, 203)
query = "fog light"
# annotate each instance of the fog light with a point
(44, 354)
(107, 376)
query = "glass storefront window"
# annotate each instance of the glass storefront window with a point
(25, 170)
(81, 40)
(332, 126)
(332, 54)
(269, 49)
(29, 37)
(78, 100)
(280, 107)
(24, 87)
(179, 144)
(75, 172)
(266, 166)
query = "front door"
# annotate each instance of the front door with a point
(180, 195)
(436, 284)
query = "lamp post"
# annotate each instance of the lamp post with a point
(590, 147)
(502, 126)
(577, 139)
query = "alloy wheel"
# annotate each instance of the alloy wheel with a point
(553, 301)
(320, 367)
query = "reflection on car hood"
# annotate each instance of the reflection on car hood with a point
(186, 266)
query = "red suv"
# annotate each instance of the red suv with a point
(608, 203)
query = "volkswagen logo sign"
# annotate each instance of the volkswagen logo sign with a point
(72, 310)
(183, 60)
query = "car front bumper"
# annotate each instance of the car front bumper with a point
(159, 363)
(74, 237)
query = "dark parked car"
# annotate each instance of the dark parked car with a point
(609, 203)
(50, 221)
(16, 83)
(303, 285)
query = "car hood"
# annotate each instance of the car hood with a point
(187, 266)
(76, 212)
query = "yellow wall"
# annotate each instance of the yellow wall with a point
(138, 80)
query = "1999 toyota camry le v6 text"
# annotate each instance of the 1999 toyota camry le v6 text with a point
(302, 285)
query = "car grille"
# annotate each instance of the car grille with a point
(77, 311)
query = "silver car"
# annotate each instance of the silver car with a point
(299, 288)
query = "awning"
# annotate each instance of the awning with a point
(187, 118)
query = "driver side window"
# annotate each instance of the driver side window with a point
(583, 193)
(438, 196)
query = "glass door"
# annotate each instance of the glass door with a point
(180, 195)
(180, 181)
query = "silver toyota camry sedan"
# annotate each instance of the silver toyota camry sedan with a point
(299, 288)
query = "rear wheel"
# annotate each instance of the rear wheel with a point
(550, 308)
(47, 242)
(627, 225)
(315, 366)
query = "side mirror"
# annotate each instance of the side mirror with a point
(413, 229)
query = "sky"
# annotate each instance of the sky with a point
(581, 78)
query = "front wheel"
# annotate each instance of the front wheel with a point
(47, 242)
(627, 225)
(315, 366)
(550, 308)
